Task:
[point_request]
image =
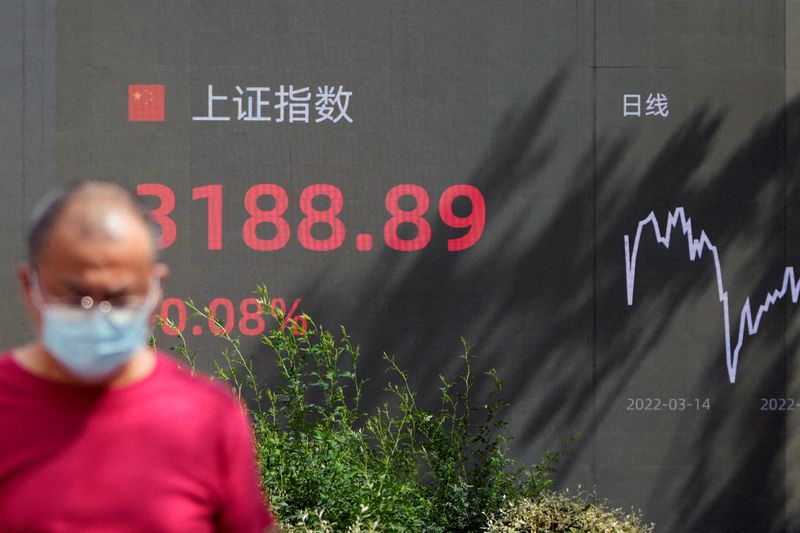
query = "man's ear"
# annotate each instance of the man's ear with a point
(25, 277)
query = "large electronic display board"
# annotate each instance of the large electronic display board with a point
(603, 196)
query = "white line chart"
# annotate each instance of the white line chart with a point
(747, 321)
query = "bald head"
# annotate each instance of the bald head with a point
(96, 211)
(89, 242)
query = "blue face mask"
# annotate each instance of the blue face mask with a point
(91, 344)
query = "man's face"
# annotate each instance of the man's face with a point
(113, 263)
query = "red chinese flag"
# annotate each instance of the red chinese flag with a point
(146, 103)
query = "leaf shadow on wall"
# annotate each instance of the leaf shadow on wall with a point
(742, 474)
(542, 296)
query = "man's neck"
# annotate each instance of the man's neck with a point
(35, 359)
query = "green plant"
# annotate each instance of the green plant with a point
(557, 512)
(402, 468)
(317, 523)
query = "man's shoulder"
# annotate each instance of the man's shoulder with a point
(6, 361)
(12, 375)
(189, 403)
(182, 381)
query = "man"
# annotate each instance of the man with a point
(98, 432)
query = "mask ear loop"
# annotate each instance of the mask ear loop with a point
(152, 293)
(36, 292)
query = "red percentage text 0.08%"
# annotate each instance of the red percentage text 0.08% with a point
(223, 317)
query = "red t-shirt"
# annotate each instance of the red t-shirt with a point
(170, 453)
